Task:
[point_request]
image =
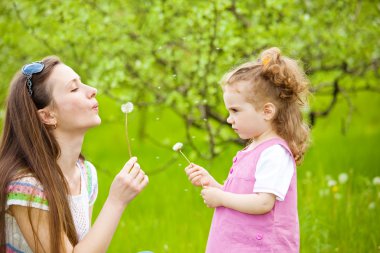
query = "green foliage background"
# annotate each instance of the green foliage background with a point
(167, 57)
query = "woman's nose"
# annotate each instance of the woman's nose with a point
(93, 91)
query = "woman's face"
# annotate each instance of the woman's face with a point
(74, 106)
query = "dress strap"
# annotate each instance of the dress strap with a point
(86, 172)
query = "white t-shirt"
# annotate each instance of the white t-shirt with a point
(274, 171)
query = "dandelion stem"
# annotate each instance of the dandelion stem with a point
(185, 157)
(126, 134)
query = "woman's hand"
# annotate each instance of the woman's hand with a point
(130, 181)
(199, 176)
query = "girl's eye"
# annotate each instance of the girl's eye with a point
(234, 110)
(75, 89)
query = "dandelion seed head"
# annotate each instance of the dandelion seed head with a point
(343, 178)
(331, 183)
(127, 107)
(178, 146)
(376, 181)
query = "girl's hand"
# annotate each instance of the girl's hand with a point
(130, 181)
(212, 196)
(198, 176)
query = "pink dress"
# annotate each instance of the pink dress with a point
(277, 231)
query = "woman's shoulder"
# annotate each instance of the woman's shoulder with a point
(86, 164)
(91, 179)
(88, 169)
(26, 190)
(26, 180)
(89, 166)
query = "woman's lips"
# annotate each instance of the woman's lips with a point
(96, 107)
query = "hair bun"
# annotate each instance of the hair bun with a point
(283, 72)
(270, 56)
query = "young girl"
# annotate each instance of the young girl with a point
(47, 188)
(256, 207)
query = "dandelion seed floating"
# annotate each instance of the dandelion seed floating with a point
(127, 108)
(177, 147)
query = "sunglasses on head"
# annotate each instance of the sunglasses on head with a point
(28, 70)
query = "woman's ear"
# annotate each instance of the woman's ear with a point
(47, 117)
(269, 111)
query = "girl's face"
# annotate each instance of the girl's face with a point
(245, 120)
(74, 106)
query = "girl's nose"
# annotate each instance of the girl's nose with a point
(229, 119)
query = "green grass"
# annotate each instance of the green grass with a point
(169, 215)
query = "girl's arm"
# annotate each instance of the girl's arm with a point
(199, 176)
(126, 185)
(255, 203)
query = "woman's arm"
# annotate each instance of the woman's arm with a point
(102, 231)
(126, 185)
(40, 222)
(97, 239)
(255, 203)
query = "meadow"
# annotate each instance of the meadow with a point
(338, 182)
(169, 55)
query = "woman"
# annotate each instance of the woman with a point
(47, 188)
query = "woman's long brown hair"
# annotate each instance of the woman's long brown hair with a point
(29, 147)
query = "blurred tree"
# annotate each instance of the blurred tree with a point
(172, 53)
